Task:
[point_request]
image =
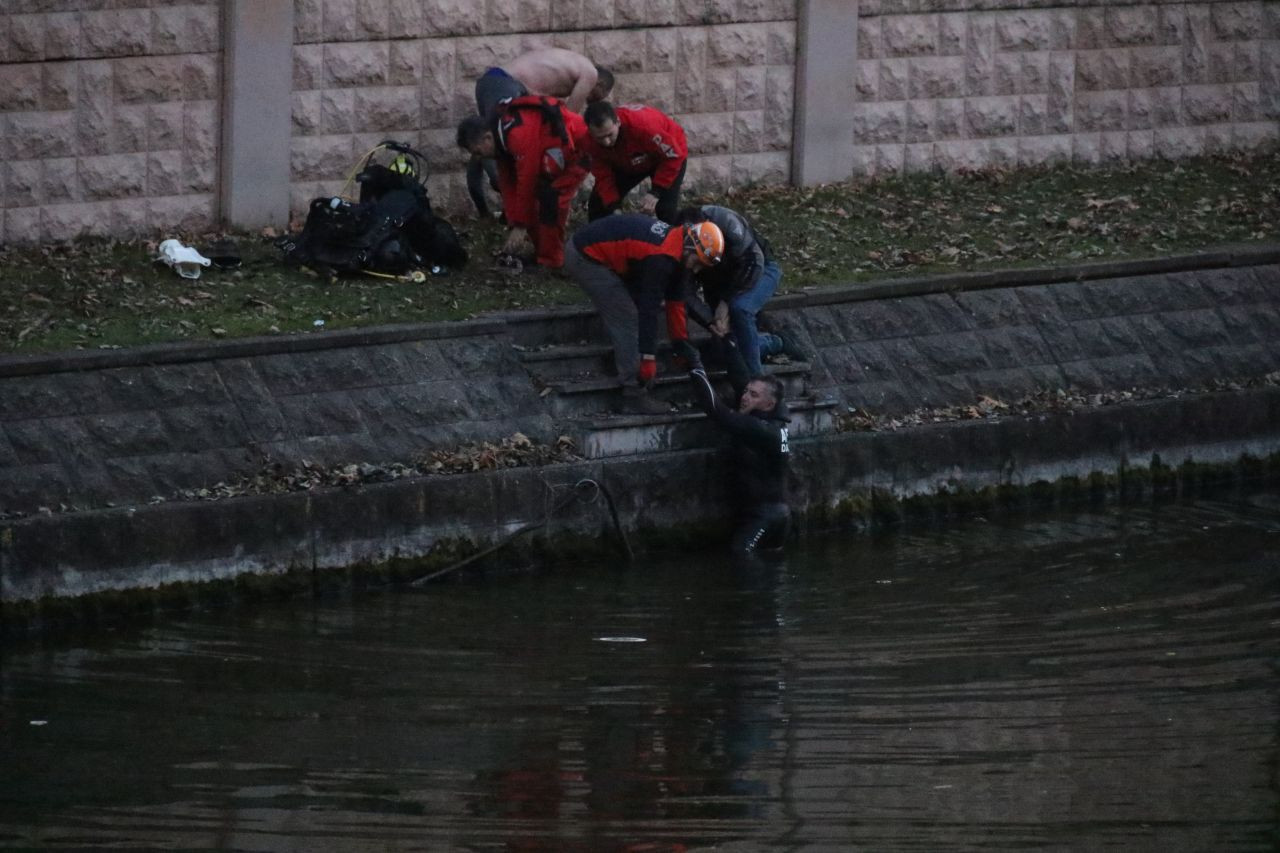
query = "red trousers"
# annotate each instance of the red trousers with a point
(555, 194)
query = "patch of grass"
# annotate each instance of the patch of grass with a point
(1008, 218)
(94, 293)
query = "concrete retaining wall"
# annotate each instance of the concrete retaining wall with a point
(1175, 329)
(121, 120)
(963, 84)
(80, 432)
(109, 117)
(841, 479)
(86, 430)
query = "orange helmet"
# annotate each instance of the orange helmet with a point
(706, 240)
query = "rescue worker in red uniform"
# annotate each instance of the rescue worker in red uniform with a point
(627, 145)
(629, 264)
(538, 145)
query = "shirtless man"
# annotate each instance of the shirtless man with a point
(548, 71)
(563, 74)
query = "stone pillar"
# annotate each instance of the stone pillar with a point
(256, 106)
(826, 68)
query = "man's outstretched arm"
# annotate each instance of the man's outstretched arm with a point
(745, 427)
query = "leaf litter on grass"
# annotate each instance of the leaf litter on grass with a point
(110, 293)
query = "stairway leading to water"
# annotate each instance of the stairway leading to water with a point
(575, 376)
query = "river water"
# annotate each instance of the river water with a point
(1087, 681)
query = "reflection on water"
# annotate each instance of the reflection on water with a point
(1091, 681)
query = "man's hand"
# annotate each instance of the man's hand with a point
(648, 368)
(517, 238)
(720, 322)
(650, 204)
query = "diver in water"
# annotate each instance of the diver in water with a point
(758, 434)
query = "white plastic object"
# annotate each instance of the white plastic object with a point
(186, 261)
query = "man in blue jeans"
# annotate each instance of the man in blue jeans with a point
(739, 286)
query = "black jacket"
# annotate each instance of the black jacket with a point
(760, 444)
(745, 254)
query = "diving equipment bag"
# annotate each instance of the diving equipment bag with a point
(391, 229)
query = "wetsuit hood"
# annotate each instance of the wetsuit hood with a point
(779, 412)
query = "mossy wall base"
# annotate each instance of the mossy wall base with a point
(137, 559)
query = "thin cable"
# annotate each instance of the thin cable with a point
(576, 493)
(360, 163)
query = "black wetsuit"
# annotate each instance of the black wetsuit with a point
(760, 456)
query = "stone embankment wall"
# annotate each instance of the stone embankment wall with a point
(1160, 446)
(109, 117)
(963, 84)
(86, 430)
(80, 433)
(93, 436)
(1163, 330)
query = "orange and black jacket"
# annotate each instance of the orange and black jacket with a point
(646, 254)
(537, 138)
(649, 143)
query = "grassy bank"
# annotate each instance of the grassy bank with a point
(92, 294)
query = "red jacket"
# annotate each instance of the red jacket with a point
(646, 254)
(649, 143)
(530, 147)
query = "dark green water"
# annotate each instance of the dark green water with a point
(1080, 682)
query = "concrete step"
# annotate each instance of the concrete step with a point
(563, 362)
(626, 435)
(566, 325)
(576, 397)
(550, 361)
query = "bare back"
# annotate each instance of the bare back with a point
(557, 72)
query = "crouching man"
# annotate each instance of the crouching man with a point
(536, 142)
(546, 71)
(629, 265)
(757, 431)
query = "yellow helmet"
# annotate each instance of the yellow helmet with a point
(402, 165)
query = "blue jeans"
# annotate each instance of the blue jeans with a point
(743, 309)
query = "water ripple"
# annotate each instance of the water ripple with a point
(1097, 680)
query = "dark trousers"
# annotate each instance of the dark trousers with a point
(478, 171)
(493, 86)
(760, 528)
(615, 306)
(555, 193)
(668, 199)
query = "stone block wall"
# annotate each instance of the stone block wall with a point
(91, 429)
(109, 116)
(963, 84)
(110, 112)
(1175, 330)
(365, 70)
(157, 422)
